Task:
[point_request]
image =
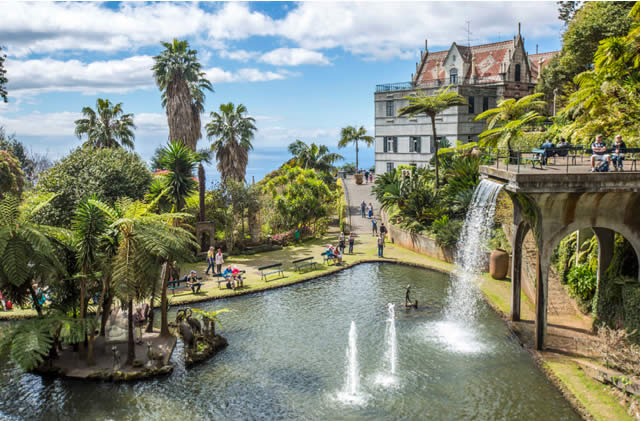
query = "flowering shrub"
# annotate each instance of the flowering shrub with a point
(285, 237)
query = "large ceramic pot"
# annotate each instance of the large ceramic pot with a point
(359, 178)
(498, 264)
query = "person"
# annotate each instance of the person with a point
(380, 246)
(341, 242)
(219, 261)
(366, 176)
(548, 151)
(352, 240)
(237, 277)
(337, 255)
(4, 305)
(370, 210)
(210, 254)
(563, 148)
(363, 208)
(407, 298)
(192, 282)
(619, 149)
(138, 322)
(599, 153)
(374, 226)
(383, 231)
(371, 177)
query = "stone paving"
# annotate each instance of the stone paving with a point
(356, 193)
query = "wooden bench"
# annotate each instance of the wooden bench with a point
(300, 263)
(173, 285)
(326, 258)
(223, 279)
(264, 270)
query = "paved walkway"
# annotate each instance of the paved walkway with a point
(356, 194)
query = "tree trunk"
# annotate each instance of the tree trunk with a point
(92, 336)
(357, 156)
(180, 116)
(435, 147)
(164, 322)
(131, 345)
(36, 304)
(83, 305)
(106, 311)
(153, 298)
(202, 186)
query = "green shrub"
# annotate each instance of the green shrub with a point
(582, 282)
(108, 173)
(446, 231)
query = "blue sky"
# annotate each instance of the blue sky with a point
(303, 70)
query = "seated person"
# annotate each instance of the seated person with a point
(563, 146)
(237, 277)
(548, 151)
(192, 281)
(227, 272)
(599, 153)
(619, 149)
(338, 256)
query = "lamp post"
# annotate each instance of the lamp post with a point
(555, 93)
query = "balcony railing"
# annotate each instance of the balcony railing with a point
(400, 86)
(403, 86)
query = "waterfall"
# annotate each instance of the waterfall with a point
(352, 375)
(471, 254)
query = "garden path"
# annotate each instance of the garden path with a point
(355, 194)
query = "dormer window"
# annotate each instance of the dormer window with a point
(453, 76)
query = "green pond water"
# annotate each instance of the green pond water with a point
(287, 359)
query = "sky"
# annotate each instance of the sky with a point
(303, 70)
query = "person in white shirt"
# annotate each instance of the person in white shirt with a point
(219, 261)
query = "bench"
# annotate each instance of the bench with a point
(326, 258)
(264, 270)
(224, 279)
(307, 261)
(173, 285)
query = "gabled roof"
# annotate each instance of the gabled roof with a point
(537, 62)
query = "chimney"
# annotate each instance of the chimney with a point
(518, 28)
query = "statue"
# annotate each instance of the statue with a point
(407, 299)
(195, 324)
(185, 330)
(116, 358)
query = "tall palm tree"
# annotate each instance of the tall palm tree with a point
(432, 106)
(143, 237)
(350, 134)
(232, 132)
(179, 76)
(314, 156)
(507, 121)
(203, 155)
(107, 126)
(26, 247)
(180, 162)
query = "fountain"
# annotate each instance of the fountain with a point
(351, 390)
(388, 376)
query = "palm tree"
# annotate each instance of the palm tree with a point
(180, 162)
(508, 120)
(350, 134)
(314, 156)
(107, 126)
(432, 106)
(26, 247)
(143, 238)
(233, 132)
(179, 76)
(203, 155)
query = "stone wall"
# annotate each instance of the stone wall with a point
(417, 242)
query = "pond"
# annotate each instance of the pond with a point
(287, 359)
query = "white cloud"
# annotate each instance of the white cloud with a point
(239, 55)
(218, 75)
(46, 75)
(293, 57)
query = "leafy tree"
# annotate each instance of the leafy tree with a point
(179, 76)
(26, 248)
(232, 132)
(11, 176)
(508, 120)
(350, 135)
(592, 23)
(300, 197)
(3, 77)
(180, 162)
(314, 157)
(432, 106)
(567, 10)
(107, 126)
(143, 238)
(108, 173)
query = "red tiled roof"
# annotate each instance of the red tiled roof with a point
(540, 60)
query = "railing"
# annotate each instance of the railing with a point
(399, 86)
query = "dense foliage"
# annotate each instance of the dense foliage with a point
(11, 176)
(107, 173)
(107, 126)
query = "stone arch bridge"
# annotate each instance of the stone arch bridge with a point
(552, 204)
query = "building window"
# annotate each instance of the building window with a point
(485, 103)
(390, 144)
(453, 76)
(415, 144)
(472, 105)
(517, 72)
(391, 112)
(389, 166)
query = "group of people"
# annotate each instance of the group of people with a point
(366, 210)
(599, 148)
(342, 241)
(333, 253)
(368, 176)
